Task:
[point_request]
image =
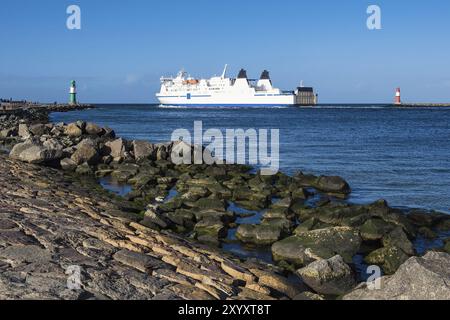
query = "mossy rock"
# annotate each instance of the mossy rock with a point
(263, 234)
(375, 229)
(208, 203)
(389, 258)
(210, 227)
(318, 244)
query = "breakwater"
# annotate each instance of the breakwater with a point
(306, 222)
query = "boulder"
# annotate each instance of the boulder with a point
(73, 130)
(211, 227)
(318, 244)
(398, 238)
(419, 278)
(32, 152)
(86, 152)
(389, 258)
(333, 184)
(68, 164)
(142, 149)
(328, 277)
(262, 234)
(38, 129)
(116, 148)
(375, 229)
(24, 132)
(93, 129)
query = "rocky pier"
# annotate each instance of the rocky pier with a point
(163, 239)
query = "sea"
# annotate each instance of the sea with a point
(400, 155)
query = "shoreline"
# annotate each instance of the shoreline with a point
(204, 193)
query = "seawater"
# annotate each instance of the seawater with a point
(401, 155)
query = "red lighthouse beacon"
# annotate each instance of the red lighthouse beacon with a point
(398, 99)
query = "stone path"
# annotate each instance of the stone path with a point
(50, 223)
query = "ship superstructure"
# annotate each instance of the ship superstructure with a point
(184, 90)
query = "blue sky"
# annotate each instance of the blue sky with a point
(125, 46)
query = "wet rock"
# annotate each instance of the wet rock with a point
(224, 216)
(142, 149)
(375, 229)
(84, 169)
(333, 184)
(424, 278)
(389, 258)
(208, 203)
(328, 277)
(86, 151)
(182, 217)
(262, 234)
(73, 130)
(125, 172)
(210, 227)
(398, 238)
(318, 244)
(311, 224)
(93, 129)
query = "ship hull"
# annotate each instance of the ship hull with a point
(228, 101)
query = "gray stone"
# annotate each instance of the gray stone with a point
(34, 153)
(73, 130)
(68, 164)
(333, 184)
(419, 278)
(116, 148)
(142, 149)
(86, 152)
(328, 277)
(23, 131)
(93, 129)
(262, 234)
(38, 129)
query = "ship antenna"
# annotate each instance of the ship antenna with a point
(224, 71)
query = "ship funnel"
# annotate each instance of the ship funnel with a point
(265, 75)
(242, 74)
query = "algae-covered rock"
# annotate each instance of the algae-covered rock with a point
(262, 234)
(318, 244)
(389, 258)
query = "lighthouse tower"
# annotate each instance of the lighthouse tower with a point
(73, 93)
(398, 99)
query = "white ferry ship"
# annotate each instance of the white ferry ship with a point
(223, 91)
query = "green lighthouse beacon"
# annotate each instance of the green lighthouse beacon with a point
(73, 93)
